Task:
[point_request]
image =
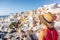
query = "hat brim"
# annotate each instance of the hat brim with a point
(42, 20)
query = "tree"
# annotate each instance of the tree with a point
(12, 24)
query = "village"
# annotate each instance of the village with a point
(20, 25)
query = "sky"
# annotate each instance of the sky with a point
(12, 6)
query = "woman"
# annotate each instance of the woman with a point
(48, 32)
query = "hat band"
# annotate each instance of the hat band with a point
(45, 19)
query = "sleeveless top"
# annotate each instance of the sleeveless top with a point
(51, 34)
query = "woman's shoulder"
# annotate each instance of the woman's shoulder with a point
(43, 32)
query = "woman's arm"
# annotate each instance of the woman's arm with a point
(41, 35)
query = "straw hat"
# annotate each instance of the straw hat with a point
(46, 18)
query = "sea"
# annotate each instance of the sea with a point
(4, 16)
